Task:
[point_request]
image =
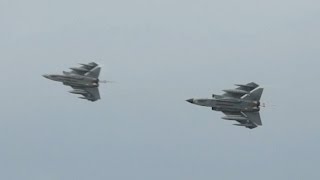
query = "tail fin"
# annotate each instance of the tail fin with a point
(94, 73)
(254, 96)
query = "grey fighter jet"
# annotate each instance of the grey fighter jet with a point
(241, 104)
(84, 80)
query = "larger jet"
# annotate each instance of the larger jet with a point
(84, 80)
(241, 104)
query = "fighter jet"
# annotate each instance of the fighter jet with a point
(84, 80)
(241, 104)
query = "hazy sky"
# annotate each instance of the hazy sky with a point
(160, 53)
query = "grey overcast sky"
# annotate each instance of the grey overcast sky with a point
(160, 53)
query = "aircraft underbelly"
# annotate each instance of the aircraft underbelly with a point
(76, 84)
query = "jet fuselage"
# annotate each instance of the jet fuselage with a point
(74, 80)
(228, 104)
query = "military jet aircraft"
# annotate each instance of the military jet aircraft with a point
(241, 104)
(84, 80)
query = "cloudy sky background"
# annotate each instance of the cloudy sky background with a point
(160, 53)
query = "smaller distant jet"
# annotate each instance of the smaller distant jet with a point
(241, 104)
(84, 80)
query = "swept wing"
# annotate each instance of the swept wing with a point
(247, 119)
(83, 69)
(240, 91)
(91, 94)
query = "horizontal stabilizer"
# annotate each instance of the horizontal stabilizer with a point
(94, 93)
(254, 96)
(94, 73)
(254, 117)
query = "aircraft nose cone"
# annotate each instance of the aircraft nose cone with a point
(190, 100)
(45, 75)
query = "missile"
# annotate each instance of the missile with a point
(66, 73)
(90, 65)
(245, 86)
(236, 91)
(250, 85)
(79, 69)
(246, 125)
(87, 66)
(217, 96)
(235, 117)
(78, 91)
(86, 98)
